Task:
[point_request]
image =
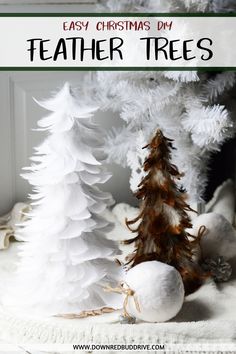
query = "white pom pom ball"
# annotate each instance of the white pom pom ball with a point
(158, 289)
(219, 238)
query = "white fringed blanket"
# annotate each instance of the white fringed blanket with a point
(208, 316)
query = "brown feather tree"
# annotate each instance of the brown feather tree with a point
(163, 218)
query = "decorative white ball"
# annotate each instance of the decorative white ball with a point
(219, 238)
(158, 289)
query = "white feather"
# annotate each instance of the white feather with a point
(65, 259)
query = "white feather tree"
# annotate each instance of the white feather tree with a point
(66, 259)
(191, 108)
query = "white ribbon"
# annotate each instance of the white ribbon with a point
(9, 222)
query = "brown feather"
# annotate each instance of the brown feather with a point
(157, 239)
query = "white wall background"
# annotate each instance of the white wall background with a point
(19, 114)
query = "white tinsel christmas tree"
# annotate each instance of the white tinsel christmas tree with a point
(65, 260)
(159, 6)
(191, 108)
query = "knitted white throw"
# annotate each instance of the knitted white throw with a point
(209, 315)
